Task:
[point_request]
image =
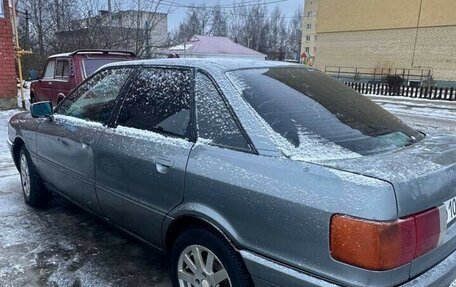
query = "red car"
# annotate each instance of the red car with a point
(64, 72)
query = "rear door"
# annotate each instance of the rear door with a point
(66, 144)
(62, 84)
(141, 163)
(45, 88)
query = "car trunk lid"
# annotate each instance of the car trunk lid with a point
(423, 176)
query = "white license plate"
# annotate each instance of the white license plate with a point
(451, 210)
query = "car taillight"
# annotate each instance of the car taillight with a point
(378, 245)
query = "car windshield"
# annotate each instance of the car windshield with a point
(311, 115)
(92, 64)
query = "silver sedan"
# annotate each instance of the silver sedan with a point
(248, 173)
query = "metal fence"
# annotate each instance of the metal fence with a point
(368, 75)
(432, 93)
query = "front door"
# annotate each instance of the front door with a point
(141, 163)
(66, 144)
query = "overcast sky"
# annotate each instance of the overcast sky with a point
(177, 14)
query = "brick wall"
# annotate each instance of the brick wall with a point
(393, 48)
(7, 65)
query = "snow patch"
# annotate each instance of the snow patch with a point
(151, 136)
(77, 121)
(311, 146)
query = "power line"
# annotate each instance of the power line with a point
(224, 6)
(233, 6)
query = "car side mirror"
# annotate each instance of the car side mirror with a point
(41, 110)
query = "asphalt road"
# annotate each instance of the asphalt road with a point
(64, 246)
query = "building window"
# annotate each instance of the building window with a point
(309, 14)
(309, 26)
(307, 49)
(315, 50)
(307, 38)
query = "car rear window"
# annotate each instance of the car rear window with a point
(93, 64)
(305, 109)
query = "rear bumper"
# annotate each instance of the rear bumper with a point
(267, 273)
(442, 274)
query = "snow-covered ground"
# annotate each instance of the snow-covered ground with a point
(434, 109)
(64, 246)
(425, 115)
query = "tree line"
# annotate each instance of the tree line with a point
(253, 26)
(55, 26)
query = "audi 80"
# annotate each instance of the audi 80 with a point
(249, 173)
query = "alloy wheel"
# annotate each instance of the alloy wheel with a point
(200, 267)
(25, 177)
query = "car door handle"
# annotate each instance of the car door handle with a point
(163, 164)
(50, 83)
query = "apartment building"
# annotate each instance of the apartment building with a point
(388, 34)
(309, 32)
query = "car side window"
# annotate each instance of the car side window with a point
(62, 69)
(159, 101)
(95, 99)
(214, 120)
(50, 70)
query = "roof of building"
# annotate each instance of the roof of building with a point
(212, 45)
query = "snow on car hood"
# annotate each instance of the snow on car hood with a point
(423, 174)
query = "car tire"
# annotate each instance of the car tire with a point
(227, 263)
(33, 189)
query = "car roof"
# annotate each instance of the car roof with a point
(222, 64)
(95, 52)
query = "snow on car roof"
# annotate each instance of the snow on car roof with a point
(94, 52)
(62, 55)
(208, 63)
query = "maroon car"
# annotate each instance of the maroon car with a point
(63, 72)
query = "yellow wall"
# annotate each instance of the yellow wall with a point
(360, 15)
(392, 49)
(438, 13)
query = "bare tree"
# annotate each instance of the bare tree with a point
(247, 23)
(141, 26)
(277, 33)
(199, 20)
(255, 27)
(237, 23)
(219, 25)
(137, 25)
(295, 35)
